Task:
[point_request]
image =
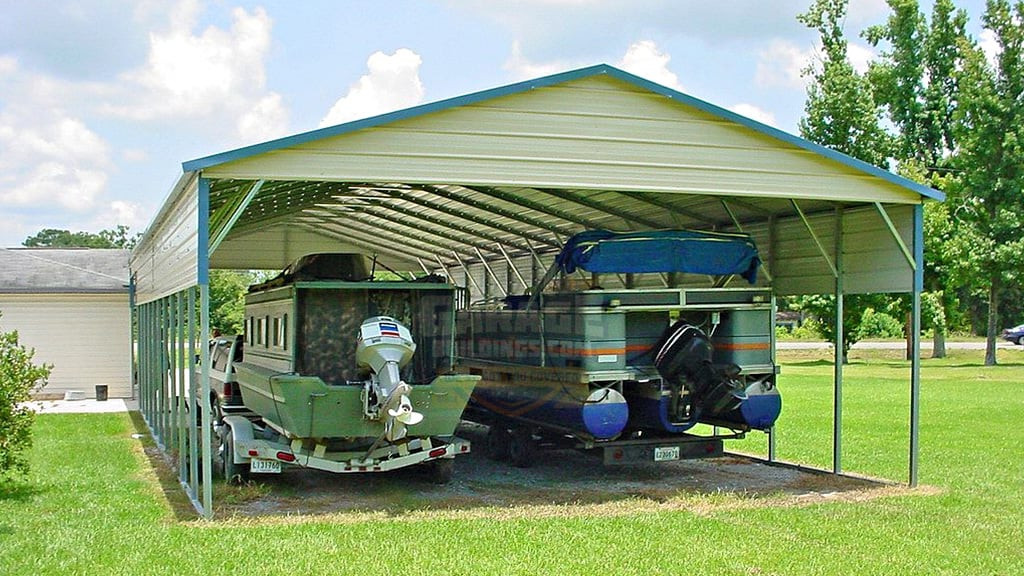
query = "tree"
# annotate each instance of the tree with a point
(18, 378)
(53, 238)
(227, 300)
(989, 127)
(915, 81)
(840, 113)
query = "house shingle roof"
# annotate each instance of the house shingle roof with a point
(63, 271)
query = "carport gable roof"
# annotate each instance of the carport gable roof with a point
(297, 140)
(501, 178)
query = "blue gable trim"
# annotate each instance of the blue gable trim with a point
(543, 82)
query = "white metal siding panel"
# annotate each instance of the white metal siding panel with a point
(873, 260)
(85, 337)
(168, 260)
(798, 266)
(594, 133)
(267, 249)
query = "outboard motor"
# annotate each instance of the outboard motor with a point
(683, 359)
(385, 346)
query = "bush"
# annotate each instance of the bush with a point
(808, 330)
(18, 378)
(878, 325)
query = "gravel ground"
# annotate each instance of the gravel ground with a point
(559, 477)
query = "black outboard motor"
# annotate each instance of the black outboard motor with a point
(683, 358)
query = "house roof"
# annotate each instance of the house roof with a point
(63, 271)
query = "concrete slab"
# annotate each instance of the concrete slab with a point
(88, 405)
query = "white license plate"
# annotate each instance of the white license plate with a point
(666, 453)
(260, 466)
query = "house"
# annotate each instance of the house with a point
(72, 306)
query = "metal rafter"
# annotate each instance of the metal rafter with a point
(536, 223)
(600, 207)
(444, 225)
(656, 200)
(471, 218)
(385, 227)
(325, 227)
(537, 206)
(369, 236)
(374, 209)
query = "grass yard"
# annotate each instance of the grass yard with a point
(94, 503)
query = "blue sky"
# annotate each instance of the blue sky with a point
(102, 100)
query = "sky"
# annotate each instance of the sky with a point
(102, 100)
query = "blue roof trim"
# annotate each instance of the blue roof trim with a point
(543, 82)
(776, 133)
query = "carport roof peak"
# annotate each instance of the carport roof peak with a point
(199, 164)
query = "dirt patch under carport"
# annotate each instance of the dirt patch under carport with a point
(561, 482)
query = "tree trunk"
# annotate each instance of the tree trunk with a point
(908, 331)
(939, 341)
(994, 290)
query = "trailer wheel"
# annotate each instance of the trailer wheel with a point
(441, 470)
(233, 473)
(497, 443)
(522, 448)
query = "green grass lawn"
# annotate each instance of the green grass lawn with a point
(94, 504)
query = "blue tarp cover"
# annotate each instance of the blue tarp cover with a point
(601, 251)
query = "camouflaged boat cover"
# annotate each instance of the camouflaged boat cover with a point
(328, 327)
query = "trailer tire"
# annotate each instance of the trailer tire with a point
(233, 473)
(441, 470)
(498, 443)
(522, 448)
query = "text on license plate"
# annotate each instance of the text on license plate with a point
(260, 466)
(665, 453)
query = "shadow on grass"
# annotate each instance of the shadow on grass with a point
(164, 467)
(19, 491)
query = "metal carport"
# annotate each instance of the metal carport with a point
(486, 187)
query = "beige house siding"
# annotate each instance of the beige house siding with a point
(85, 337)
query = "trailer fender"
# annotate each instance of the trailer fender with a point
(241, 431)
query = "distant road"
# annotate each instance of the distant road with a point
(889, 345)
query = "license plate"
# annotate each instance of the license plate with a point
(666, 453)
(260, 466)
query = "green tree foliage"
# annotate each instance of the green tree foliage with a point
(227, 300)
(118, 237)
(18, 378)
(840, 111)
(915, 81)
(989, 127)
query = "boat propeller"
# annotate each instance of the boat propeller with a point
(405, 414)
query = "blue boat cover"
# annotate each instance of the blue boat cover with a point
(601, 251)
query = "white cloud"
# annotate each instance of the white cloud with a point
(48, 158)
(133, 215)
(644, 59)
(860, 55)
(216, 76)
(391, 83)
(264, 120)
(134, 155)
(755, 113)
(521, 68)
(8, 65)
(989, 44)
(781, 64)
